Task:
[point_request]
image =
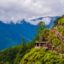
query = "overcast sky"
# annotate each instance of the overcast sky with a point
(18, 9)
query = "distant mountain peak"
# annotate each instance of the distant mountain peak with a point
(47, 20)
(33, 21)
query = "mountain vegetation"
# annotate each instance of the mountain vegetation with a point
(50, 52)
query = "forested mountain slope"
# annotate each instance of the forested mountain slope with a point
(27, 53)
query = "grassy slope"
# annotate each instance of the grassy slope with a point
(14, 54)
(42, 56)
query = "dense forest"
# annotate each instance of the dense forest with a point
(50, 52)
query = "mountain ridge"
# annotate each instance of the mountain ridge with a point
(30, 20)
(12, 34)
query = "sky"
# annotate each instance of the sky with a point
(19, 9)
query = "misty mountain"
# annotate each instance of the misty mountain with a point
(12, 34)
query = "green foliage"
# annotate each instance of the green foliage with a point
(14, 54)
(60, 21)
(42, 56)
(52, 38)
(41, 26)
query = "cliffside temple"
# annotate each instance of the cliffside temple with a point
(43, 43)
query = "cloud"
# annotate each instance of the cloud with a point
(18, 9)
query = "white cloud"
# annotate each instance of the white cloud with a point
(18, 9)
(34, 21)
